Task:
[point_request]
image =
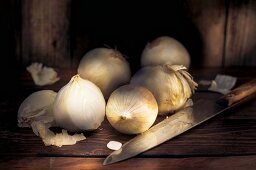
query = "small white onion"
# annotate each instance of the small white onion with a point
(79, 105)
(36, 107)
(131, 109)
(106, 68)
(171, 85)
(165, 50)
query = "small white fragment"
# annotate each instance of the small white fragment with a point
(114, 145)
(223, 84)
(42, 75)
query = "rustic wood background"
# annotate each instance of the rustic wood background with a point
(217, 33)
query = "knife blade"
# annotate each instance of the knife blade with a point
(182, 121)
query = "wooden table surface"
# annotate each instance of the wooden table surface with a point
(228, 141)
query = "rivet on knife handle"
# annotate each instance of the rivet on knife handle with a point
(238, 93)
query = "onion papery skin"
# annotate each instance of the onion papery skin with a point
(79, 106)
(131, 109)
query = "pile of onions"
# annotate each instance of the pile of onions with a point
(160, 86)
(171, 85)
(131, 109)
(165, 50)
(106, 68)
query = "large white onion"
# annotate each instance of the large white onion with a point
(106, 68)
(79, 105)
(131, 109)
(171, 85)
(165, 50)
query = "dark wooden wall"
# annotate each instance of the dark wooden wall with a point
(209, 18)
(217, 33)
(45, 35)
(9, 35)
(240, 47)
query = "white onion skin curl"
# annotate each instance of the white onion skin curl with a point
(165, 50)
(170, 84)
(79, 106)
(131, 109)
(106, 68)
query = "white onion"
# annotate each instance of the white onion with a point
(171, 85)
(131, 109)
(79, 106)
(106, 68)
(165, 50)
(36, 107)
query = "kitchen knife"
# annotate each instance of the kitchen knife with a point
(182, 121)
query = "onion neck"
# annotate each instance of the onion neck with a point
(117, 54)
(75, 78)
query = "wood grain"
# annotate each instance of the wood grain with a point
(45, 32)
(209, 18)
(216, 163)
(240, 46)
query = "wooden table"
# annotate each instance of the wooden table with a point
(227, 141)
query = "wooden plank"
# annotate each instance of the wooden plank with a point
(241, 43)
(45, 32)
(217, 163)
(209, 18)
(231, 133)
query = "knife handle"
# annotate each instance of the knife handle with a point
(239, 93)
